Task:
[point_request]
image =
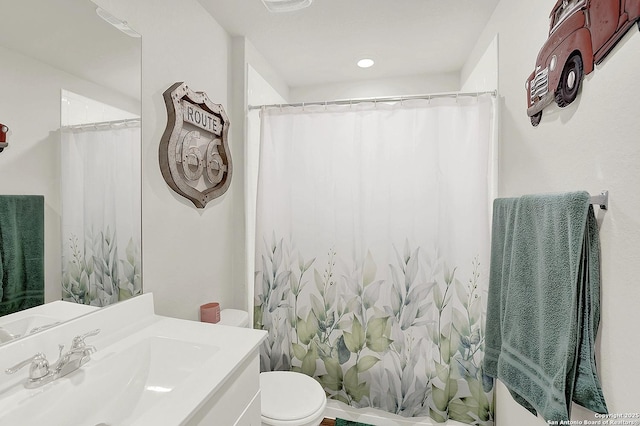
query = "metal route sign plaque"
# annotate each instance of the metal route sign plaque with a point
(194, 152)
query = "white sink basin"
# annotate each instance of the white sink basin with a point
(147, 370)
(115, 388)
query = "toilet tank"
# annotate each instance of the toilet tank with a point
(234, 318)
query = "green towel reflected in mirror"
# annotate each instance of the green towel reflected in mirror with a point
(21, 252)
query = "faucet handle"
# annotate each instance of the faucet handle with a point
(39, 366)
(78, 341)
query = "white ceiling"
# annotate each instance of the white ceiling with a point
(317, 45)
(322, 43)
(69, 35)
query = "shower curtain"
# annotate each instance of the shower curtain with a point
(101, 214)
(372, 252)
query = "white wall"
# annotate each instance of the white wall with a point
(30, 106)
(260, 92)
(483, 77)
(263, 82)
(187, 253)
(77, 109)
(248, 88)
(591, 145)
(368, 88)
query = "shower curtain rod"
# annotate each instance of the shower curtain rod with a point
(381, 99)
(104, 124)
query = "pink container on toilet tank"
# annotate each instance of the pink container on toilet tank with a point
(210, 312)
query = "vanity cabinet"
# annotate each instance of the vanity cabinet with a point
(237, 401)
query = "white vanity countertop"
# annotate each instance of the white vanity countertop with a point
(197, 357)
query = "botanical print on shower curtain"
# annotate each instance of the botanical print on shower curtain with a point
(101, 215)
(373, 252)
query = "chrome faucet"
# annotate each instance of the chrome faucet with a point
(41, 372)
(43, 327)
(6, 336)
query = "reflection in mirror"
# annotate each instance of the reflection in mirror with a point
(61, 61)
(39, 318)
(100, 167)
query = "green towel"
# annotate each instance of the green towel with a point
(544, 303)
(21, 252)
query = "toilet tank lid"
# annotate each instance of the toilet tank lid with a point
(234, 317)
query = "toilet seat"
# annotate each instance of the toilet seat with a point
(290, 398)
(313, 420)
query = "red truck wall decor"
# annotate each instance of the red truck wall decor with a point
(581, 34)
(3, 137)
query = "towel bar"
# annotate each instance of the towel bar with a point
(602, 200)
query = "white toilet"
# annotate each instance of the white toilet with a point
(288, 398)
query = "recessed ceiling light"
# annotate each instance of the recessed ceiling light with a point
(286, 5)
(365, 63)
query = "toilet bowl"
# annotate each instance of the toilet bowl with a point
(291, 399)
(287, 398)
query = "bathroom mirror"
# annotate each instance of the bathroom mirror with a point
(66, 72)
